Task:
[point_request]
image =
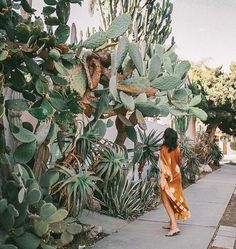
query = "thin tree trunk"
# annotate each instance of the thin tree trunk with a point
(121, 135)
(211, 130)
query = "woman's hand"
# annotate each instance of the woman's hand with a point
(157, 153)
(162, 181)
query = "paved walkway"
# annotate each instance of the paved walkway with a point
(208, 199)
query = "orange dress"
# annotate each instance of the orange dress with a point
(171, 182)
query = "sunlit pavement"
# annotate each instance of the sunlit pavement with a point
(208, 199)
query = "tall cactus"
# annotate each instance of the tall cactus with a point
(151, 20)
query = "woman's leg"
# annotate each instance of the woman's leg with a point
(169, 210)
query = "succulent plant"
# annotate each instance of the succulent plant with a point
(127, 199)
(22, 206)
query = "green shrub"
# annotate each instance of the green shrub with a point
(127, 199)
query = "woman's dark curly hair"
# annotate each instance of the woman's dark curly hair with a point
(170, 139)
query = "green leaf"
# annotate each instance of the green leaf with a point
(25, 152)
(21, 195)
(166, 83)
(199, 113)
(51, 2)
(182, 68)
(57, 101)
(100, 128)
(195, 100)
(141, 98)
(41, 227)
(154, 67)
(142, 82)
(49, 178)
(52, 21)
(138, 152)
(48, 10)
(119, 26)
(66, 238)
(141, 121)
(28, 241)
(136, 57)
(23, 135)
(180, 94)
(148, 109)
(177, 112)
(124, 120)
(168, 65)
(127, 101)
(122, 50)
(102, 105)
(58, 80)
(3, 55)
(54, 54)
(164, 110)
(79, 82)
(159, 50)
(113, 87)
(47, 210)
(182, 105)
(110, 123)
(33, 196)
(48, 107)
(62, 33)
(32, 66)
(16, 104)
(61, 69)
(172, 55)
(63, 11)
(58, 216)
(74, 228)
(131, 133)
(39, 113)
(95, 40)
(41, 87)
(27, 8)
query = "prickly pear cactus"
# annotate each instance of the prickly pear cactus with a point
(23, 199)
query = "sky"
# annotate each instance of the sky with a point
(204, 30)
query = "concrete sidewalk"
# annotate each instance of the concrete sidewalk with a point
(208, 199)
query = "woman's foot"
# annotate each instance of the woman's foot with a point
(168, 226)
(173, 232)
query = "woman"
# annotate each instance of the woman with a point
(170, 182)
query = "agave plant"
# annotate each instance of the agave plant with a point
(112, 162)
(190, 161)
(75, 189)
(127, 199)
(145, 150)
(216, 153)
(85, 144)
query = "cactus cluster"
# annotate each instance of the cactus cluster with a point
(25, 218)
(55, 84)
(151, 20)
(156, 73)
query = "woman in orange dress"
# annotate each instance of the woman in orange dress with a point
(171, 183)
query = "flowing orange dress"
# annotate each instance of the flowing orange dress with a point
(171, 182)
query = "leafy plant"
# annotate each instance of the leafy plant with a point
(127, 199)
(25, 218)
(111, 163)
(217, 154)
(85, 144)
(144, 152)
(190, 161)
(74, 188)
(151, 19)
